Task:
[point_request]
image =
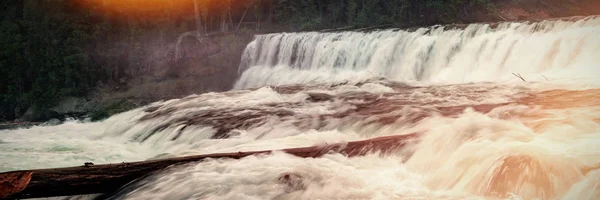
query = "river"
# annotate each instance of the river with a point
(506, 112)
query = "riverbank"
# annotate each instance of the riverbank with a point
(191, 65)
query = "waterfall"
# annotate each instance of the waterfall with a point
(553, 50)
(483, 132)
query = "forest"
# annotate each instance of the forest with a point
(57, 48)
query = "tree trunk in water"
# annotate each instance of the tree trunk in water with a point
(17, 124)
(93, 179)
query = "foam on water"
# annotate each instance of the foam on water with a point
(547, 51)
(68, 144)
(474, 156)
(517, 142)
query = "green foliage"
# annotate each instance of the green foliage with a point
(338, 13)
(11, 59)
(43, 61)
(57, 48)
(111, 108)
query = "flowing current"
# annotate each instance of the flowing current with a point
(505, 112)
(479, 53)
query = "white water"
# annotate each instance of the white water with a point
(545, 153)
(558, 51)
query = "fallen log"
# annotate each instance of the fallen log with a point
(108, 178)
(18, 124)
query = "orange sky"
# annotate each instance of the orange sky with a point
(141, 6)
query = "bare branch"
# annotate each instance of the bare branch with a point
(519, 76)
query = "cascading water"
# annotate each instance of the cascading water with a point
(478, 53)
(484, 133)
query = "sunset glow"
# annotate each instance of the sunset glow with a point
(166, 7)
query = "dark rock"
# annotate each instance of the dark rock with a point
(317, 97)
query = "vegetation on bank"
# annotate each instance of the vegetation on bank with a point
(108, 110)
(43, 56)
(52, 49)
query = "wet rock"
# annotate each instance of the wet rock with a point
(71, 105)
(293, 181)
(29, 115)
(316, 97)
(52, 122)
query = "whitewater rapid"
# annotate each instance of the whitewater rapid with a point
(550, 50)
(485, 134)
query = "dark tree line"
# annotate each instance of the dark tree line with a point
(42, 58)
(56, 48)
(313, 14)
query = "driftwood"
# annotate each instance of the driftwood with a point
(109, 178)
(17, 124)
